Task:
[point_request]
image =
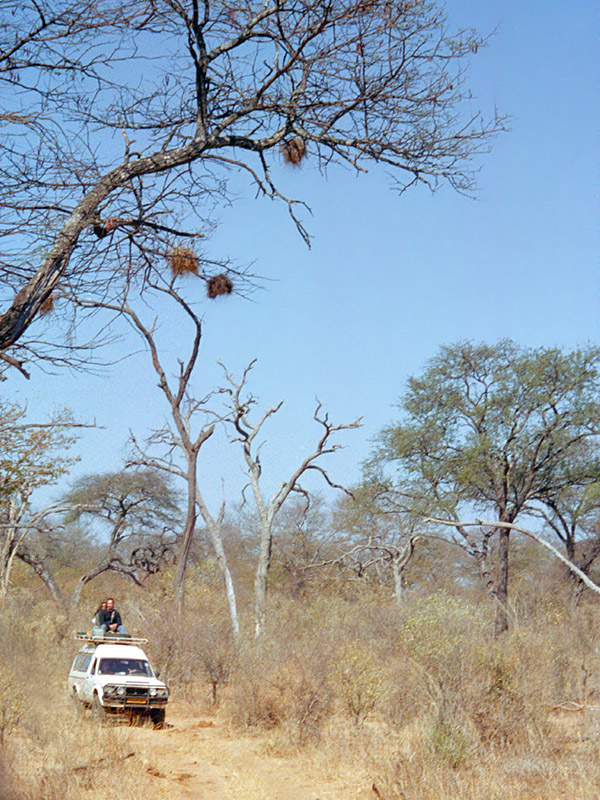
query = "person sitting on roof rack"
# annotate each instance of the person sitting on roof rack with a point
(110, 619)
(97, 621)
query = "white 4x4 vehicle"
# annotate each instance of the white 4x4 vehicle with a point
(112, 675)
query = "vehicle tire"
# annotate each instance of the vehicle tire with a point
(157, 715)
(98, 710)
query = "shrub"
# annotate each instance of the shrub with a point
(359, 681)
(449, 742)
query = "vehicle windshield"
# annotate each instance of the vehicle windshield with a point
(124, 666)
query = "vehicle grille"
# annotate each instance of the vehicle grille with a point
(137, 691)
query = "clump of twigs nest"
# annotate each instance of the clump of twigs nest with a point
(218, 285)
(294, 151)
(183, 260)
(47, 306)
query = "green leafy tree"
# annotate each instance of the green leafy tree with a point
(495, 429)
(32, 455)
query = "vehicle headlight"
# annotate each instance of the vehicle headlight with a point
(162, 692)
(121, 691)
(110, 689)
(153, 692)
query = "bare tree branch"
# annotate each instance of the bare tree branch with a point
(240, 404)
(123, 122)
(541, 541)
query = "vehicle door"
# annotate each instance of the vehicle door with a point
(87, 687)
(77, 673)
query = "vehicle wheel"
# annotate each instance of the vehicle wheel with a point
(98, 710)
(157, 715)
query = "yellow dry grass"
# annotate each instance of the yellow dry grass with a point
(344, 699)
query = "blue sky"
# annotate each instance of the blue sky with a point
(391, 278)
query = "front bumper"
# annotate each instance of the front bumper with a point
(137, 704)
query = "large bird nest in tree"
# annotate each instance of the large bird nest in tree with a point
(218, 285)
(294, 151)
(183, 260)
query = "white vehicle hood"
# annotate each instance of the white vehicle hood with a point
(128, 680)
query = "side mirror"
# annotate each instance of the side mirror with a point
(157, 674)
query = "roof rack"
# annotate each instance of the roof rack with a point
(108, 638)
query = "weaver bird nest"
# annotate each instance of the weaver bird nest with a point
(182, 260)
(218, 285)
(294, 151)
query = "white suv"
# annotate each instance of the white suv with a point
(112, 675)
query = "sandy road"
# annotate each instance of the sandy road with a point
(201, 758)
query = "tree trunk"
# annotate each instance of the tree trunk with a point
(83, 581)
(39, 567)
(261, 577)
(217, 543)
(501, 620)
(8, 552)
(398, 573)
(583, 556)
(185, 544)
(5, 564)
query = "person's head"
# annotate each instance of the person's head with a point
(103, 605)
(110, 604)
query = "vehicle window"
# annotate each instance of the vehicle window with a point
(81, 662)
(124, 666)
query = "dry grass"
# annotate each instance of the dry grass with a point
(48, 753)
(418, 702)
(421, 703)
(74, 760)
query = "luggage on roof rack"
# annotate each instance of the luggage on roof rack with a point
(109, 638)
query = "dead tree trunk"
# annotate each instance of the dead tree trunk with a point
(214, 526)
(185, 544)
(246, 432)
(180, 438)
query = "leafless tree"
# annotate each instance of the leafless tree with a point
(240, 405)
(476, 542)
(16, 525)
(378, 533)
(303, 535)
(179, 444)
(373, 554)
(123, 120)
(138, 512)
(29, 555)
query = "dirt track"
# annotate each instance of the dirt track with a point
(200, 758)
